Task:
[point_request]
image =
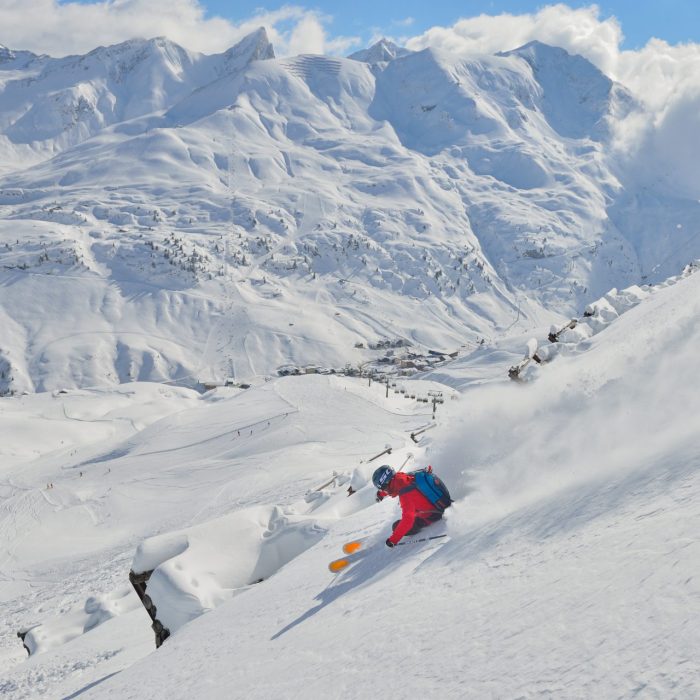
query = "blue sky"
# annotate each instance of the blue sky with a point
(64, 27)
(674, 21)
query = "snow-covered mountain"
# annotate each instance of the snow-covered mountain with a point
(169, 219)
(173, 216)
(48, 105)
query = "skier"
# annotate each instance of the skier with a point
(422, 496)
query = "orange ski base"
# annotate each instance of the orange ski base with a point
(338, 565)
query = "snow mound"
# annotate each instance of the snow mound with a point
(196, 570)
(64, 628)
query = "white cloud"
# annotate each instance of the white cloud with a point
(577, 30)
(58, 29)
(405, 22)
(659, 72)
(308, 36)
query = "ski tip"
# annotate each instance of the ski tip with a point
(352, 547)
(338, 565)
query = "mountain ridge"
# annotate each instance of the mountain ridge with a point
(462, 198)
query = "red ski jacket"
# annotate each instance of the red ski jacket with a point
(413, 504)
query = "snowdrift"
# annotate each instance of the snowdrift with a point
(194, 571)
(71, 624)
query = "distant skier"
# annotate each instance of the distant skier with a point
(422, 496)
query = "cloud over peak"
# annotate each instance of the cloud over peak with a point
(63, 28)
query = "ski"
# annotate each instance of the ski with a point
(353, 553)
(355, 545)
(422, 539)
(352, 547)
(337, 565)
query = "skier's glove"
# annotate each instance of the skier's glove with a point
(379, 498)
(389, 543)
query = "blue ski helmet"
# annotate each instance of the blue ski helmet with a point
(382, 476)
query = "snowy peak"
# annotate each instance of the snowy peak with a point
(74, 98)
(14, 59)
(538, 52)
(381, 52)
(71, 99)
(141, 48)
(577, 98)
(552, 61)
(119, 63)
(254, 47)
(435, 100)
(441, 186)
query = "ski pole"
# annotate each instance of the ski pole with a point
(405, 462)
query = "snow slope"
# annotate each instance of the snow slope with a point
(571, 568)
(193, 210)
